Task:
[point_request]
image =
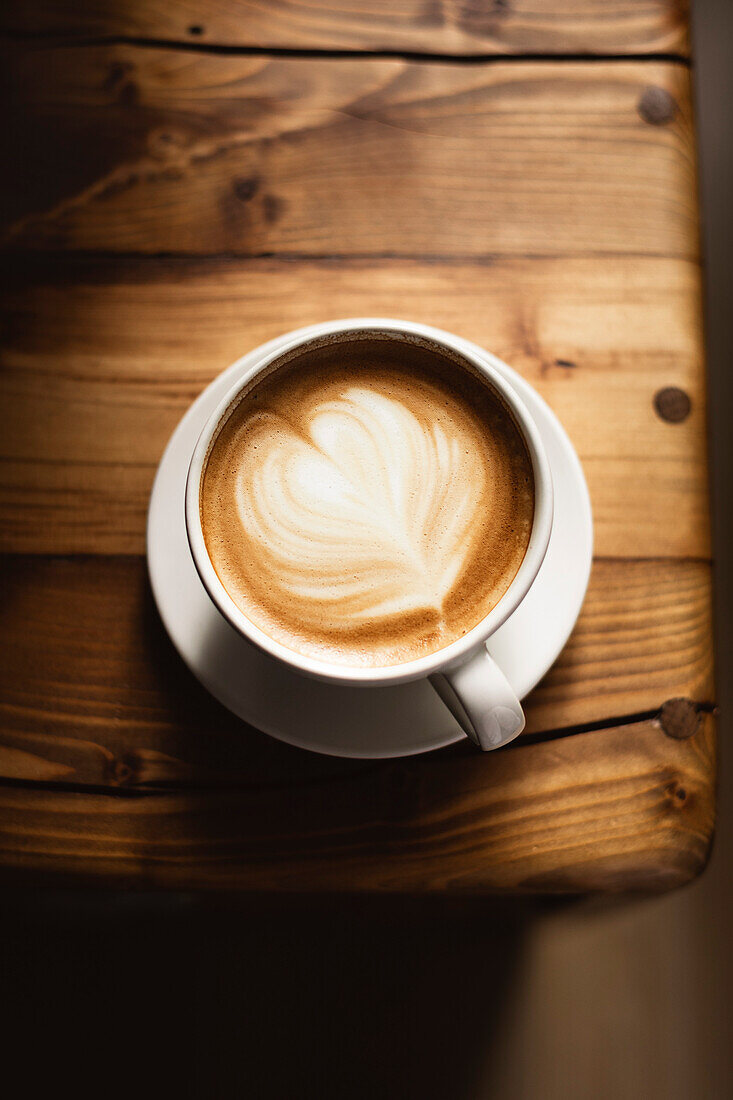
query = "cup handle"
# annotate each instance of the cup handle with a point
(481, 699)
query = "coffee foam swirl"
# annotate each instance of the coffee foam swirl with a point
(367, 510)
(367, 515)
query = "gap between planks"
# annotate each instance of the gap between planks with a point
(324, 54)
(33, 258)
(147, 790)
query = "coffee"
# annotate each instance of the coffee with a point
(368, 501)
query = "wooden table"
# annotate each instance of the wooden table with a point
(184, 182)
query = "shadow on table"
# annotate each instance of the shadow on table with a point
(275, 998)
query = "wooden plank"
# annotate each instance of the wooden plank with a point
(128, 149)
(92, 692)
(449, 26)
(616, 809)
(100, 361)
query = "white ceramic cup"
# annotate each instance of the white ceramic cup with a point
(463, 673)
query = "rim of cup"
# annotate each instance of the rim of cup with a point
(455, 652)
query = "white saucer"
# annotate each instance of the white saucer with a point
(365, 722)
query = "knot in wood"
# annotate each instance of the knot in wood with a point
(657, 106)
(679, 718)
(118, 83)
(124, 770)
(246, 187)
(672, 404)
(677, 793)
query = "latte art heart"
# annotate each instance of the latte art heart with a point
(370, 511)
(367, 511)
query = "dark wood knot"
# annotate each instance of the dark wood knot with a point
(657, 106)
(119, 83)
(672, 404)
(677, 794)
(117, 75)
(246, 187)
(195, 29)
(679, 718)
(124, 771)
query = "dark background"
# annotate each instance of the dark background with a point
(178, 995)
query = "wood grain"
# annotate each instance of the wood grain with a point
(101, 359)
(617, 809)
(446, 26)
(126, 149)
(168, 209)
(92, 691)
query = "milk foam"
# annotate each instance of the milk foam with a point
(368, 512)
